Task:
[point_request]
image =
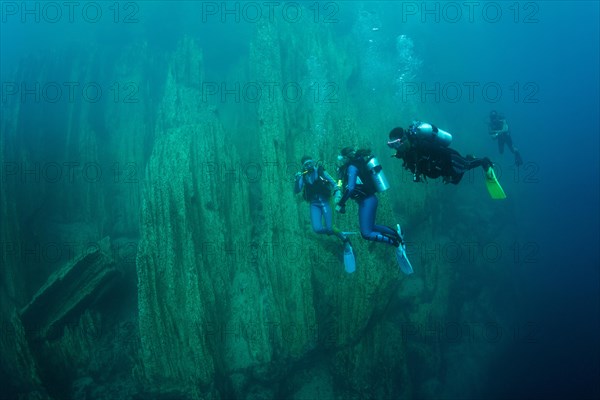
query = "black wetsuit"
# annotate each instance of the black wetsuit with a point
(504, 138)
(427, 159)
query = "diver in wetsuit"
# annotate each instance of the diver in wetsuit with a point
(316, 186)
(426, 153)
(359, 186)
(498, 130)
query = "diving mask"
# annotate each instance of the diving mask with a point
(308, 165)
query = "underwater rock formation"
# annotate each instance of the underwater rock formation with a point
(51, 210)
(236, 296)
(208, 288)
(244, 319)
(67, 292)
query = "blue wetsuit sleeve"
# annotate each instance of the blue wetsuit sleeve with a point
(352, 174)
(298, 184)
(330, 179)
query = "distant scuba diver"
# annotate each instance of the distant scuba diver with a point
(362, 177)
(316, 186)
(425, 150)
(498, 129)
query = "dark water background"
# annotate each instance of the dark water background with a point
(550, 51)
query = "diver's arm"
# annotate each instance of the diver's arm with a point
(352, 174)
(330, 179)
(299, 183)
(395, 144)
(337, 190)
(493, 133)
(501, 131)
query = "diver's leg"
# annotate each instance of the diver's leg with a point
(367, 209)
(340, 235)
(386, 230)
(315, 218)
(509, 143)
(460, 165)
(319, 212)
(463, 165)
(515, 151)
(501, 143)
(366, 215)
(328, 218)
(518, 158)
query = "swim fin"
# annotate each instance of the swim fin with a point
(401, 258)
(349, 260)
(493, 186)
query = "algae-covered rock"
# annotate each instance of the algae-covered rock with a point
(236, 296)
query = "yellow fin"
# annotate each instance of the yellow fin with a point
(493, 186)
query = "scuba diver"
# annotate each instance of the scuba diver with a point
(316, 186)
(425, 150)
(498, 129)
(426, 153)
(362, 177)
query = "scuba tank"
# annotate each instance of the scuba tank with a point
(430, 132)
(378, 177)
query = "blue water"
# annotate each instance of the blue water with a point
(559, 204)
(545, 59)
